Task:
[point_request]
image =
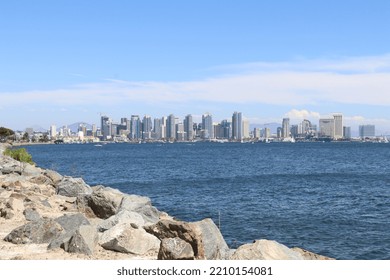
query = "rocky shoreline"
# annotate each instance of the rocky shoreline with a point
(44, 215)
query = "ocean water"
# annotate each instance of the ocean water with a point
(329, 198)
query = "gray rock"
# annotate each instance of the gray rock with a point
(123, 217)
(307, 255)
(30, 170)
(72, 222)
(126, 239)
(83, 241)
(105, 202)
(265, 250)
(11, 207)
(214, 245)
(41, 180)
(41, 231)
(73, 187)
(142, 205)
(175, 249)
(204, 237)
(55, 177)
(31, 214)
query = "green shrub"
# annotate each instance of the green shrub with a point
(19, 154)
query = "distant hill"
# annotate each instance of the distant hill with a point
(38, 128)
(272, 126)
(74, 127)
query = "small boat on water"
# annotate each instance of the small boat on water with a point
(98, 145)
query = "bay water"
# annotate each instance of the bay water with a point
(329, 198)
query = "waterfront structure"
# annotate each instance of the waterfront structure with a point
(105, 126)
(147, 127)
(53, 131)
(237, 126)
(135, 127)
(180, 133)
(189, 128)
(267, 132)
(207, 126)
(338, 126)
(347, 132)
(326, 126)
(286, 128)
(171, 134)
(245, 129)
(256, 133)
(366, 131)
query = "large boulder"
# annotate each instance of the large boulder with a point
(41, 231)
(142, 205)
(204, 237)
(82, 241)
(11, 207)
(104, 201)
(55, 177)
(265, 250)
(31, 214)
(126, 238)
(175, 249)
(30, 170)
(70, 224)
(73, 187)
(123, 217)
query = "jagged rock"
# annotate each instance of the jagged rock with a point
(142, 205)
(265, 250)
(41, 180)
(175, 249)
(307, 255)
(83, 241)
(72, 222)
(31, 214)
(204, 237)
(41, 231)
(105, 202)
(127, 239)
(30, 170)
(11, 167)
(55, 177)
(123, 217)
(214, 245)
(11, 207)
(73, 187)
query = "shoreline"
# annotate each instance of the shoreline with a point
(100, 218)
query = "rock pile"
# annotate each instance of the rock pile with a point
(46, 215)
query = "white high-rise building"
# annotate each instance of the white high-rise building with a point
(171, 127)
(338, 126)
(207, 126)
(189, 128)
(286, 128)
(245, 129)
(326, 126)
(53, 131)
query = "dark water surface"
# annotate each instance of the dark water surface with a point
(329, 198)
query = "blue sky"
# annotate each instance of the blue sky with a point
(67, 61)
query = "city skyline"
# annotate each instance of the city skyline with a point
(268, 60)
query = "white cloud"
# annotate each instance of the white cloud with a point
(295, 114)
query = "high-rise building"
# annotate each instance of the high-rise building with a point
(157, 125)
(366, 131)
(171, 127)
(147, 127)
(286, 128)
(326, 126)
(267, 133)
(207, 126)
(135, 127)
(347, 132)
(237, 126)
(338, 126)
(245, 129)
(226, 129)
(94, 130)
(105, 126)
(256, 133)
(53, 131)
(180, 134)
(189, 128)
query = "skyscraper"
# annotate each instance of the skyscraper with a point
(189, 128)
(53, 131)
(366, 131)
(105, 126)
(171, 133)
(326, 126)
(338, 126)
(245, 129)
(147, 127)
(207, 126)
(286, 128)
(237, 126)
(135, 127)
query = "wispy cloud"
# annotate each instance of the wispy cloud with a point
(347, 81)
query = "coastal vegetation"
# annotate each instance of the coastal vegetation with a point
(20, 155)
(6, 134)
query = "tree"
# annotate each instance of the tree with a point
(25, 137)
(5, 133)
